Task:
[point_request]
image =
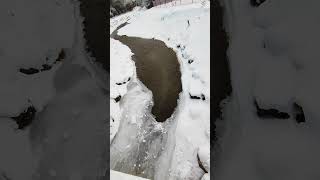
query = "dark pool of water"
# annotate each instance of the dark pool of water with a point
(158, 69)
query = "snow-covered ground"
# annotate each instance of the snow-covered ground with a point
(71, 118)
(185, 29)
(122, 176)
(274, 59)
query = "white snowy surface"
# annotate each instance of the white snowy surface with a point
(273, 56)
(31, 33)
(170, 24)
(69, 127)
(122, 68)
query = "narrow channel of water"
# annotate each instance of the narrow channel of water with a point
(144, 148)
(158, 69)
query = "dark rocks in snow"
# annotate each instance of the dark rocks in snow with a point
(274, 113)
(121, 83)
(194, 97)
(61, 56)
(270, 113)
(25, 118)
(181, 47)
(117, 99)
(202, 97)
(298, 112)
(256, 3)
(46, 67)
(28, 71)
(190, 61)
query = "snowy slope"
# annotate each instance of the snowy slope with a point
(122, 69)
(69, 125)
(30, 37)
(191, 43)
(274, 59)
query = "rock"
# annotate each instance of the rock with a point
(118, 98)
(28, 71)
(299, 114)
(25, 118)
(270, 113)
(256, 3)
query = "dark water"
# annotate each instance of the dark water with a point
(158, 69)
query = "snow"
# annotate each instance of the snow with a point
(206, 177)
(30, 33)
(122, 68)
(122, 176)
(16, 154)
(277, 74)
(71, 106)
(170, 25)
(204, 156)
(267, 84)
